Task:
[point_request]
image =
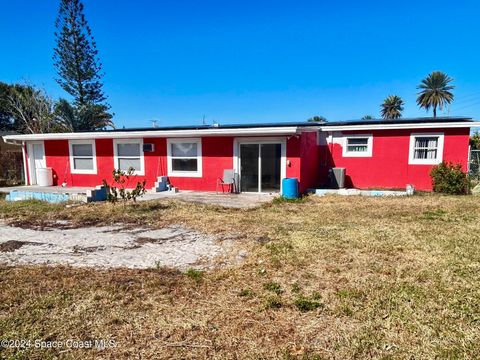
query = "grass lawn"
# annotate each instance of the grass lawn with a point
(332, 277)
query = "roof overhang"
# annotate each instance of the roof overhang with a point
(261, 131)
(397, 126)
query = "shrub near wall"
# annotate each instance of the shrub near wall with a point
(448, 178)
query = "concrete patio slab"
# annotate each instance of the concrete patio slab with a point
(241, 201)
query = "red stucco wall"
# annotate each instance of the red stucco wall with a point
(217, 155)
(388, 167)
(57, 157)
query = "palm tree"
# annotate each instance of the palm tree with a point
(435, 91)
(367, 117)
(392, 107)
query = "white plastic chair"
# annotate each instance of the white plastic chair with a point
(229, 179)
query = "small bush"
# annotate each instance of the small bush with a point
(448, 178)
(121, 181)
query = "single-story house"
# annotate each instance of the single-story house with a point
(375, 153)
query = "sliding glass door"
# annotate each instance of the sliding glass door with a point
(260, 167)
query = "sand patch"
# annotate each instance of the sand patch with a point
(111, 247)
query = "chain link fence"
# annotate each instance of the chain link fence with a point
(11, 168)
(474, 164)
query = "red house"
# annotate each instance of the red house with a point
(375, 154)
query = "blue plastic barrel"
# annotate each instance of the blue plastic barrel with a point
(290, 188)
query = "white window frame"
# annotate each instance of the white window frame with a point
(129, 141)
(177, 173)
(72, 157)
(368, 153)
(438, 160)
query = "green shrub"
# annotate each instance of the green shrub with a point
(121, 181)
(448, 178)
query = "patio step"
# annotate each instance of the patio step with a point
(161, 184)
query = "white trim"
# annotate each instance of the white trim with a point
(468, 158)
(368, 153)
(259, 140)
(25, 162)
(254, 131)
(411, 152)
(129, 141)
(33, 175)
(71, 157)
(429, 125)
(173, 173)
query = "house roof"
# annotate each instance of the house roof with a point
(217, 126)
(416, 120)
(402, 123)
(279, 129)
(262, 129)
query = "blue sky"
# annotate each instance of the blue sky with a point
(255, 61)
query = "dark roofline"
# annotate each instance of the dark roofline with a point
(417, 120)
(301, 124)
(226, 126)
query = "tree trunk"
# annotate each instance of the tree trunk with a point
(434, 111)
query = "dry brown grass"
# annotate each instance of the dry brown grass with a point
(387, 277)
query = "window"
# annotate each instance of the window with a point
(128, 153)
(426, 149)
(358, 146)
(82, 157)
(184, 157)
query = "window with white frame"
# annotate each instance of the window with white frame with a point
(357, 146)
(184, 157)
(129, 154)
(82, 157)
(426, 149)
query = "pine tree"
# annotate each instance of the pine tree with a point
(76, 60)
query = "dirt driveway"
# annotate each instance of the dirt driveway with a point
(111, 247)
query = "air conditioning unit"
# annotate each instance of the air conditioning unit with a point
(337, 178)
(148, 147)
